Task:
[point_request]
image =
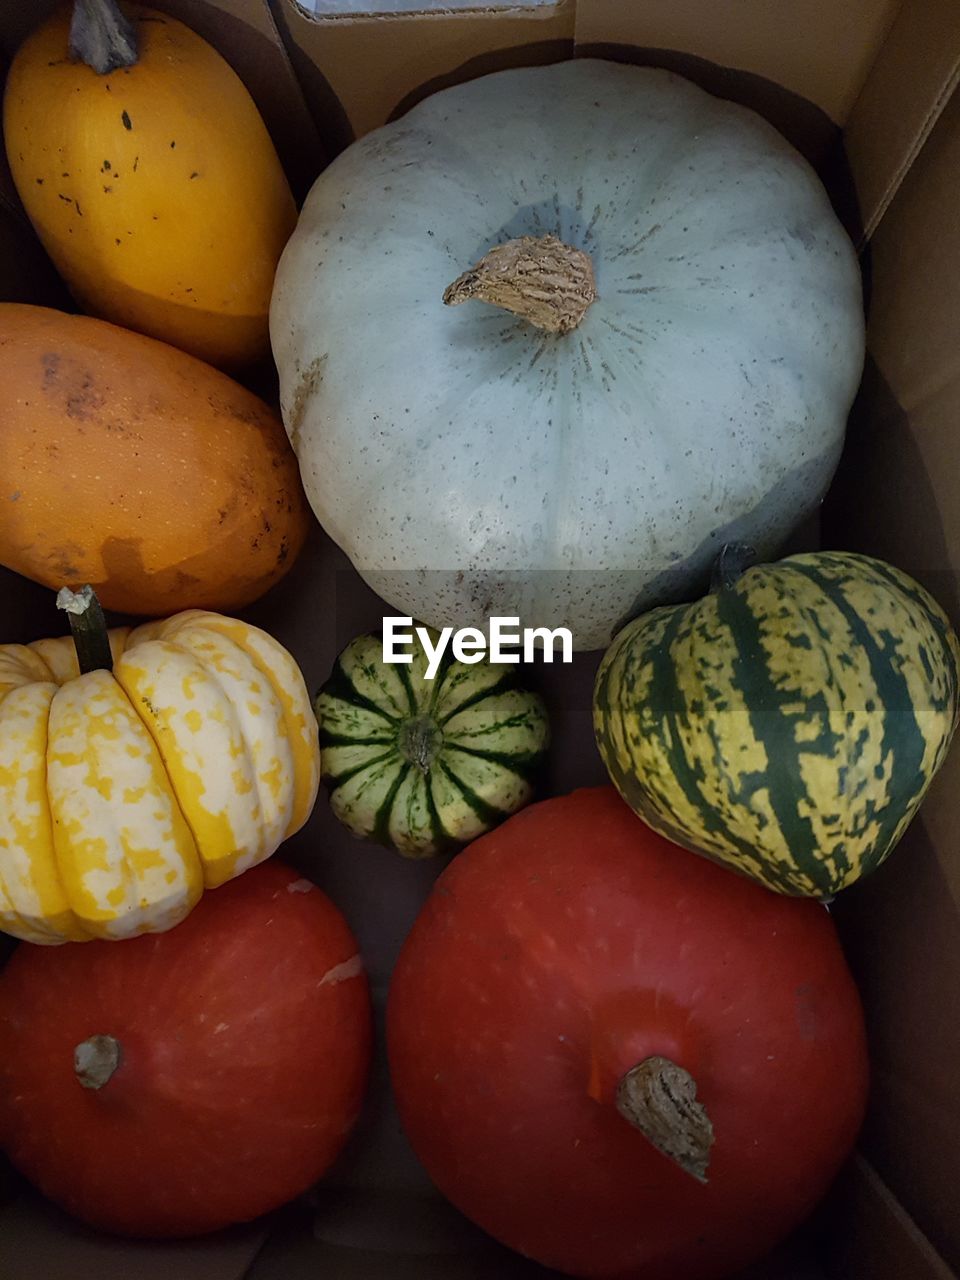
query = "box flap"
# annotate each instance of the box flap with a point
(915, 73)
(823, 54)
(406, 56)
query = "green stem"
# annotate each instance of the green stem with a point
(89, 628)
(734, 560)
(419, 741)
(101, 36)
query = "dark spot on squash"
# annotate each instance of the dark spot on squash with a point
(107, 190)
(127, 123)
(65, 199)
(39, 182)
(118, 242)
(172, 145)
(310, 379)
(105, 167)
(194, 175)
(65, 561)
(50, 361)
(136, 163)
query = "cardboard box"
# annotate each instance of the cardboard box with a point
(866, 88)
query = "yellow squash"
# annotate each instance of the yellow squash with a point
(154, 187)
(125, 792)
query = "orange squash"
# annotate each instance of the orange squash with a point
(154, 186)
(130, 465)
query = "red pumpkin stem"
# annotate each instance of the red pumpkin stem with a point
(660, 1099)
(549, 284)
(89, 628)
(101, 36)
(95, 1060)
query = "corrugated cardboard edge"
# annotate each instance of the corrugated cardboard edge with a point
(914, 76)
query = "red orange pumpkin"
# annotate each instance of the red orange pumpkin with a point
(618, 1058)
(178, 1082)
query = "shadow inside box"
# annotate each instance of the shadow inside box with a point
(907, 979)
(345, 1236)
(882, 501)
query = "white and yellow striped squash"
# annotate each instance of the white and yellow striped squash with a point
(125, 793)
(788, 724)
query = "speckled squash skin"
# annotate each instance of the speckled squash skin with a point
(155, 189)
(124, 794)
(129, 465)
(789, 724)
(481, 466)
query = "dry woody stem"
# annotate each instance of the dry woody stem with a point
(539, 278)
(660, 1099)
(95, 1060)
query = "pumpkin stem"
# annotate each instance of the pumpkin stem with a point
(419, 742)
(89, 628)
(660, 1099)
(734, 560)
(539, 278)
(95, 1060)
(101, 36)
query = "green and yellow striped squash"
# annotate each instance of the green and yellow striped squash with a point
(788, 724)
(425, 766)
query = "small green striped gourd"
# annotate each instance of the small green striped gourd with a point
(425, 766)
(788, 724)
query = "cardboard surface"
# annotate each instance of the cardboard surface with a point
(820, 49)
(376, 1215)
(897, 496)
(295, 1253)
(913, 77)
(879, 1241)
(358, 71)
(825, 60)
